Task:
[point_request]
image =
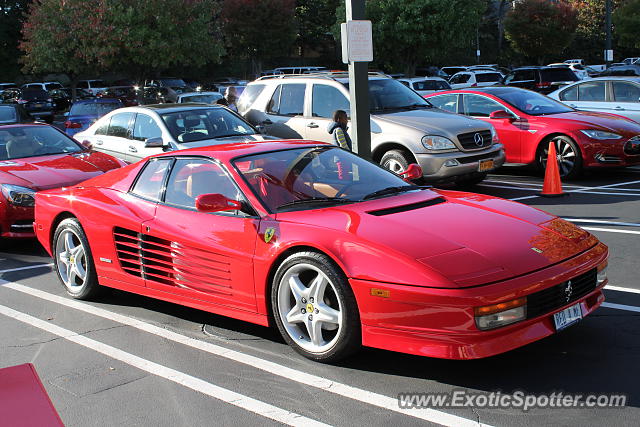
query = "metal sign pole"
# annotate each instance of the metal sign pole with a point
(359, 91)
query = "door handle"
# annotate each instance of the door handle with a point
(573, 106)
(619, 108)
(99, 142)
(312, 125)
(133, 149)
(267, 122)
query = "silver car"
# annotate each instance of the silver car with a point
(618, 95)
(199, 97)
(134, 133)
(405, 128)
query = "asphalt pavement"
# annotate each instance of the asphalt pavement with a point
(131, 360)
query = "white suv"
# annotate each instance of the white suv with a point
(475, 78)
(405, 128)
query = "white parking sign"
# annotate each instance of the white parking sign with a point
(357, 42)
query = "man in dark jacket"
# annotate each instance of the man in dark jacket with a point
(338, 128)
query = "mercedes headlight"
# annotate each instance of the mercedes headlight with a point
(600, 134)
(18, 196)
(434, 143)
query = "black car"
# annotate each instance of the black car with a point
(37, 103)
(61, 99)
(9, 95)
(14, 113)
(621, 70)
(540, 79)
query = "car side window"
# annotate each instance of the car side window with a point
(447, 102)
(327, 99)
(570, 94)
(292, 100)
(119, 125)
(523, 75)
(480, 106)
(626, 92)
(145, 127)
(150, 181)
(191, 178)
(591, 91)
(273, 107)
(103, 126)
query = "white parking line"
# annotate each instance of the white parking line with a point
(586, 190)
(236, 399)
(611, 230)
(606, 193)
(621, 289)
(621, 307)
(599, 221)
(354, 393)
(29, 267)
(508, 188)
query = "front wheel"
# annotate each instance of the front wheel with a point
(73, 261)
(395, 160)
(314, 307)
(567, 153)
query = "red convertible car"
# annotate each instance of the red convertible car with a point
(527, 121)
(334, 250)
(36, 157)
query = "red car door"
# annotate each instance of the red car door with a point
(509, 130)
(198, 255)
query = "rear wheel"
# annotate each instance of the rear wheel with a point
(396, 161)
(314, 307)
(567, 153)
(73, 261)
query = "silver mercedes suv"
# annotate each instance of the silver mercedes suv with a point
(405, 128)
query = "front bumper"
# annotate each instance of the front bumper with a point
(434, 169)
(440, 322)
(16, 222)
(610, 153)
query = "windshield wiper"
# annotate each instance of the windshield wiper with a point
(313, 200)
(391, 190)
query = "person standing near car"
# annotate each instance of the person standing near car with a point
(338, 128)
(231, 95)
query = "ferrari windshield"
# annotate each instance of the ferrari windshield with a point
(198, 125)
(30, 141)
(315, 177)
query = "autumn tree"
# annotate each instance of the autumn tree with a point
(87, 37)
(541, 29)
(258, 29)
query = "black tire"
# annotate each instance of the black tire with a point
(567, 150)
(396, 161)
(347, 337)
(89, 287)
(472, 179)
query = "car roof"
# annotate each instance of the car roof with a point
(97, 101)
(227, 152)
(420, 79)
(341, 77)
(171, 108)
(210, 92)
(20, 125)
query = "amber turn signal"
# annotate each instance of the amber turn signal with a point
(496, 308)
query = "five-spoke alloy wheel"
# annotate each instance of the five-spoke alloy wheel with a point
(314, 307)
(567, 154)
(73, 261)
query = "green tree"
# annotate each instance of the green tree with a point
(407, 34)
(11, 19)
(626, 19)
(258, 29)
(88, 37)
(540, 29)
(314, 20)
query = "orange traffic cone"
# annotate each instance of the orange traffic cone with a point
(552, 184)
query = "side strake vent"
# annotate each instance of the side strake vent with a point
(172, 263)
(405, 208)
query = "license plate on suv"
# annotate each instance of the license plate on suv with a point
(568, 316)
(485, 165)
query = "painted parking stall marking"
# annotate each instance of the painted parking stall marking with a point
(236, 399)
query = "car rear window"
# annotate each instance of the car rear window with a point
(34, 95)
(7, 114)
(431, 85)
(98, 109)
(558, 75)
(488, 77)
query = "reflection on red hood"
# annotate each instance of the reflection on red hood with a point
(593, 120)
(58, 170)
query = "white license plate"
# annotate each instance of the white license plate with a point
(567, 317)
(485, 165)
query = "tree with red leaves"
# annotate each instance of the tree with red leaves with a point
(541, 29)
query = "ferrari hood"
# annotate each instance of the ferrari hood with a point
(59, 170)
(465, 241)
